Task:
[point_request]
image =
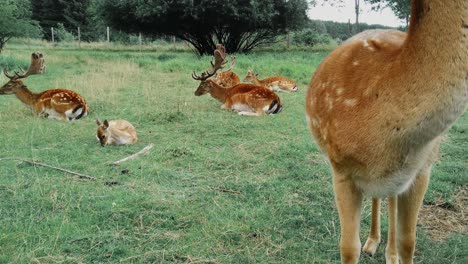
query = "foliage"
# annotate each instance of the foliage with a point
(338, 30)
(310, 37)
(240, 25)
(401, 8)
(49, 13)
(62, 34)
(15, 21)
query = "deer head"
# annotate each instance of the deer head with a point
(37, 66)
(251, 76)
(102, 134)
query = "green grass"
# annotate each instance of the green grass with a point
(216, 187)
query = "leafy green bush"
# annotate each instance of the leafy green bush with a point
(62, 35)
(309, 37)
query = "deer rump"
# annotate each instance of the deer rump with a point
(249, 98)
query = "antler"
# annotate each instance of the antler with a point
(233, 63)
(220, 55)
(37, 67)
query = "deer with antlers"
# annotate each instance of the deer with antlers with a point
(378, 106)
(55, 104)
(245, 99)
(227, 78)
(274, 83)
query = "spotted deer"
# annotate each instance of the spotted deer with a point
(227, 78)
(378, 106)
(55, 104)
(116, 132)
(245, 99)
(275, 83)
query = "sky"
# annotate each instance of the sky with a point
(342, 14)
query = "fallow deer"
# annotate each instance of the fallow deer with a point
(116, 132)
(275, 83)
(378, 106)
(55, 104)
(227, 78)
(245, 99)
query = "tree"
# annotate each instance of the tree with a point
(15, 21)
(49, 13)
(401, 8)
(240, 25)
(357, 10)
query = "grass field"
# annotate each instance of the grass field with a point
(216, 188)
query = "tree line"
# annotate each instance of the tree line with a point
(241, 25)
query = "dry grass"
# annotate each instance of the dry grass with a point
(442, 219)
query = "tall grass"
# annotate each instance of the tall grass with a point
(217, 187)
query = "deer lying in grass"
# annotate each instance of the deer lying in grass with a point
(246, 99)
(275, 83)
(55, 104)
(227, 78)
(378, 106)
(116, 132)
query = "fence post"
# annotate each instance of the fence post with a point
(140, 41)
(52, 32)
(108, 34)
(79, 38)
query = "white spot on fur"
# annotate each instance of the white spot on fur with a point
(350, 102)
(355, 63)
(339, 91)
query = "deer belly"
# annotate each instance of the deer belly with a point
(388, 186)
(50, 113)
(241, 108)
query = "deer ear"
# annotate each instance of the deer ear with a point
(106, 123)
(98, 122)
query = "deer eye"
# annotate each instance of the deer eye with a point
(103, 137)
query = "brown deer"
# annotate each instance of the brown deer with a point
(275, 83)
(116, 132)
(378, 106)
(55, 104)
(227, 78)
(245, 99)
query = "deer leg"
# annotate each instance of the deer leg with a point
(348, 200)
(373, 240)
(409, 204)
(391, 254)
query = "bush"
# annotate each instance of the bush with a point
(309, 37)
(62, 35)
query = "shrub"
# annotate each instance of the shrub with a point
(62, 35)
(309, 37)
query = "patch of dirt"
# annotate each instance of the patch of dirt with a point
(442, 219)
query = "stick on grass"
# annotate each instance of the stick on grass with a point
(134, 156)
(35, 163)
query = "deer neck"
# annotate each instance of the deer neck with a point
(25, 95)
(438, 30)
(218, 92)
(256, 81)
(433, 66)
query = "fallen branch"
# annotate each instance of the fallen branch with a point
(134, 156)
(35, 163)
